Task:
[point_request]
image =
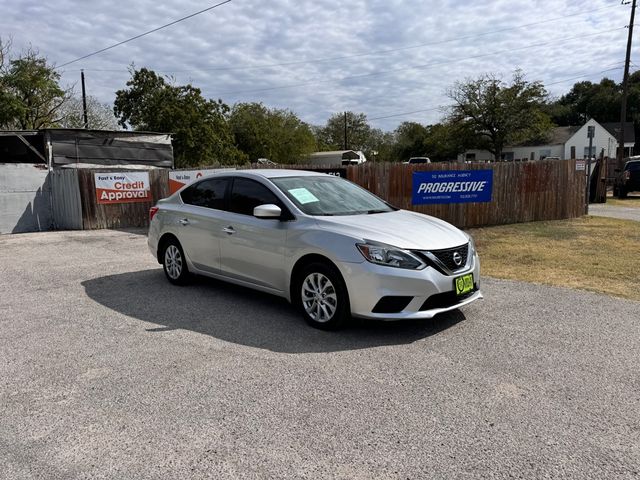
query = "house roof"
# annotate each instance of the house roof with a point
(561, 135)
(629, 131)
(556, 136)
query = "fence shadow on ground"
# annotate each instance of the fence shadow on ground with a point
(245, 317)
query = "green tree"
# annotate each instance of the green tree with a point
(588, 100)
(445, 141)
(498, 114)
(278, 135)
(30, 93)
(410, 142)
(381, 145)
(201, 133)
(359, 133)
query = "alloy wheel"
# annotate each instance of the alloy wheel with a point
(319, 297)
(173, 262)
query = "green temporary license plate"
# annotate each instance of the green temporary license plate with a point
(464, 284)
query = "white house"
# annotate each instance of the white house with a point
(564, 142)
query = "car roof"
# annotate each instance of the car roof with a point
(270, 173)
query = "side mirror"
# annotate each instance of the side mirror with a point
(268, 210)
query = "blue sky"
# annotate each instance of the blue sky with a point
(393, 59)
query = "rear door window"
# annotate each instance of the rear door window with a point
(208, 193)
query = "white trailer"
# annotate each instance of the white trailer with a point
(337, 157)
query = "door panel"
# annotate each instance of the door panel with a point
(199, 223)
(254, 250)
(200, 237)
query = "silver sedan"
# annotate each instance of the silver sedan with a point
(330, 247)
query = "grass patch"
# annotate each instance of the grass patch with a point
(592, 253)
(632, 201)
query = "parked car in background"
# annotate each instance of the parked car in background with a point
(330, 247)
(628, 179)
(418, 160)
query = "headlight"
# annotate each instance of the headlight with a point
(390, 256)
(472, 245)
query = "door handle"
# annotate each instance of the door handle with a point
(229, 230)
(184, 221)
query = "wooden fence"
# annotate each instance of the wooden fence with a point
(119, 215)
(522, 191)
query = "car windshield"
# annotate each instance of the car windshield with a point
(326, 195)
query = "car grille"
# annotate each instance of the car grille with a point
(446, 299)
(445, 257)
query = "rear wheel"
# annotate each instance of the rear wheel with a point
(622, 193)
(322, 296)
(174, 263)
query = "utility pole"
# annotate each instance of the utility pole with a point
(591, 132)
(345, 131)
(625, 87)
(84, 101)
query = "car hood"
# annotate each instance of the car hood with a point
(403, 229)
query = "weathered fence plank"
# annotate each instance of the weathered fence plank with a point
(120, 215)
(522, 192)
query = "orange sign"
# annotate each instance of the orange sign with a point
(123, 187)
(180, 178)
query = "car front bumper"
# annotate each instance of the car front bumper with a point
(368, 283)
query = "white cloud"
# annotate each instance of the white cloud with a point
(456, 38)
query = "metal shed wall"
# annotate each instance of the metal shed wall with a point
(25, 198)
(66, 201)
(69, 147)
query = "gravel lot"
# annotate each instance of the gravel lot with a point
(107, 371)
(614, 211)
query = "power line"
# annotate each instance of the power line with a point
(408, 113)
(377, 52)
(414, 67)
(143, 34)
(586, 75)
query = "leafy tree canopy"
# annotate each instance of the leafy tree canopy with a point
(278, 135)
(497, 114)
(30, 94)
(201, 134)
(359, 134)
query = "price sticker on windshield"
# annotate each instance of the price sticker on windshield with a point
(303, 195)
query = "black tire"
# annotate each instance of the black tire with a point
(326, 305)
(622, 192)
(174, 262)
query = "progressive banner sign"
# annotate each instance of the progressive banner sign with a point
(122, 187)
(452, 186)
(180, 178)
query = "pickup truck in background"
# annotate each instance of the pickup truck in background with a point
(628, 179)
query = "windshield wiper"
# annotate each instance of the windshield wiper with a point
(369, 212)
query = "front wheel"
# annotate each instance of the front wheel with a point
(322, 296)
(174, 263)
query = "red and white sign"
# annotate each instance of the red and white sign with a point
(122, 187)
(180, 178)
